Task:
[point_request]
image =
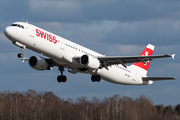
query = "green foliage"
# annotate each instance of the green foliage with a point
(31, 105)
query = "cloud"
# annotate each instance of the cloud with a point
(55, 10)
(111, 27)
(13, 10)
(87, 11)
(157, 32)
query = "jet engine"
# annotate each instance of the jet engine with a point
(90, 62)
(38, 63)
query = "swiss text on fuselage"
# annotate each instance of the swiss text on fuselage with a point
(47, 36)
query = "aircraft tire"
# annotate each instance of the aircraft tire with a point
(64, 79)
(95, 78)
(19, 55)
(61, 78)
(98, 78)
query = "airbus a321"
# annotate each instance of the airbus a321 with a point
(63, 53)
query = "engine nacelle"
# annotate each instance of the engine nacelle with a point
(38, 63)
(90, 62)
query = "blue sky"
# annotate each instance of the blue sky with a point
(111, 27)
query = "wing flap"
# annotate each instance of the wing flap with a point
(158, 78)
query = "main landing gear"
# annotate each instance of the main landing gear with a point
(96, 78)
(61, 78)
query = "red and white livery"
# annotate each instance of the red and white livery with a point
(63, 53)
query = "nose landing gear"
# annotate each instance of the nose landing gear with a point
(20, 55)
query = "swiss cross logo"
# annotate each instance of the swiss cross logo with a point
(146, 52)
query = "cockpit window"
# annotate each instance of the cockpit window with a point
(20, 26)
(14, 25)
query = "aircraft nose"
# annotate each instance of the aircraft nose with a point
(8, 32)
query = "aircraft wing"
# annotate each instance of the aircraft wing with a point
(158, 78)
(111, 60)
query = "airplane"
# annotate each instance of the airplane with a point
(63, 53)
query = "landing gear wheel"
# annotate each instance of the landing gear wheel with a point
(61, 78)
(64, 79)
(95, 78)
(20, 55)
(98, 78)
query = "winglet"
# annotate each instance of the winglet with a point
(173, 56)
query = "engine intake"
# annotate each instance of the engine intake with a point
(90, 62)
(38, 63)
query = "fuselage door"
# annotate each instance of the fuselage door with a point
(32, 41)
(32, 31)
(135, 77)
(62, 45)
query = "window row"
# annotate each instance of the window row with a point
(78, 49)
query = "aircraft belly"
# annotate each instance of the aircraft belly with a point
(119, 76)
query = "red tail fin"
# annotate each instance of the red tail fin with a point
(144, 67)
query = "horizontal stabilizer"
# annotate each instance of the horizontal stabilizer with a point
(158, 78)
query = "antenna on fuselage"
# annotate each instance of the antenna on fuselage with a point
(26, 21)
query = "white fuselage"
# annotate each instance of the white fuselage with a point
(62, 51)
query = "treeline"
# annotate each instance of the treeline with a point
(31, 105)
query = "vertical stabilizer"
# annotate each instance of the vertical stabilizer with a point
(140, 66)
